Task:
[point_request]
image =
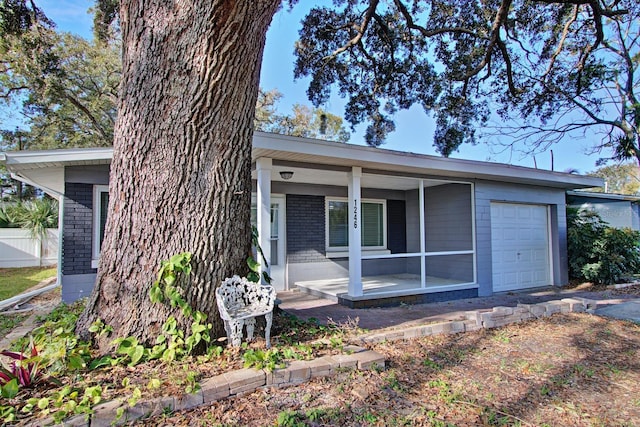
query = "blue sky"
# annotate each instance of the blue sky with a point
(414, 129)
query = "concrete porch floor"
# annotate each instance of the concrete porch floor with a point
(373, 286)
(306, 306)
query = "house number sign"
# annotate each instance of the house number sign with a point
(355, 213)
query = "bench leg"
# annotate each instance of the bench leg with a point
(251, 326)
(235, 327)
(267, 330)
(227, 329)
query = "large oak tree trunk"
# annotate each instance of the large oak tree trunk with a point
(181, 170)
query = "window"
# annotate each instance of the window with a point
(100, 206)
(373, 219)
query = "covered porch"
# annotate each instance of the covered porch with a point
(349, 232)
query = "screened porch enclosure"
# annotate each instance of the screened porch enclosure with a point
(416, 238)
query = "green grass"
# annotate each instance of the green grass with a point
(8, 322)
(14, 281)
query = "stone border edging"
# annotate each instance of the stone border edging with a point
(229, 384)
(488, 318)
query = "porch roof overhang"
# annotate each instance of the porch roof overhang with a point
(289, 150)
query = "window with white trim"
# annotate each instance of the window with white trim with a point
(100, 206)
(373, 219)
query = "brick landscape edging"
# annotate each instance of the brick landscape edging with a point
(229, 384)
(485, 319)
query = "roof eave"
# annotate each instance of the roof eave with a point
(376, 158)
(23, 160)
(284, 147)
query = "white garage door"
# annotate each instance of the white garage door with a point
(520, 246)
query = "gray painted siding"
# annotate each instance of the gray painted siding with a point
(77, 286)
(454, 267)
(331, 269)
(448, 218)
(448, 227)
(95, 174)
(487, 192)
(617, 213)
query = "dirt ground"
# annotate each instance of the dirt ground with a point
(567, 370)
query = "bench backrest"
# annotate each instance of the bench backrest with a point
(237, 292)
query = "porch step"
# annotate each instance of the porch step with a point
(316, 293)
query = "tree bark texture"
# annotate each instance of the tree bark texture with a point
(181, 169)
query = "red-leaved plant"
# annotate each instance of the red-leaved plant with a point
(25, 369)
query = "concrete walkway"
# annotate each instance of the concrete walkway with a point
(307, 306)
(628, 310)
(41, 308)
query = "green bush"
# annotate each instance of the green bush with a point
(598, 252)
(5, 217)
(584, 229)
(617, 254)
(34, 215)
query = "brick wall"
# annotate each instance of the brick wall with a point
(77, 235)
(305, 229)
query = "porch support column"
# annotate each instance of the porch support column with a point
(263, 201)
(355, 227)
(423, 244)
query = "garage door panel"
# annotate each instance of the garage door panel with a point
(526, 279)
(525, 256)
(541, 256)
(520, 242)
(524, 214)
(508, 211)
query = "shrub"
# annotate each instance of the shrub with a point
(598, 252)
(617, 254)
(5, 219)
(34, 215)
(584, 229)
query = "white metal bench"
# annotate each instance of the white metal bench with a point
(240, 302)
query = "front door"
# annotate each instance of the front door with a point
(278, 240)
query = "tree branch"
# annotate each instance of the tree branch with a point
(430, 33)
(507, 60)
(563, 38)
(88, 114)
(7, 94)
(498, 21)
(359, 31)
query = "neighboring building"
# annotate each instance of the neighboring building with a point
(362, 225)
(618, 210)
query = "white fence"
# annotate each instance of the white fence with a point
(19, 249)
